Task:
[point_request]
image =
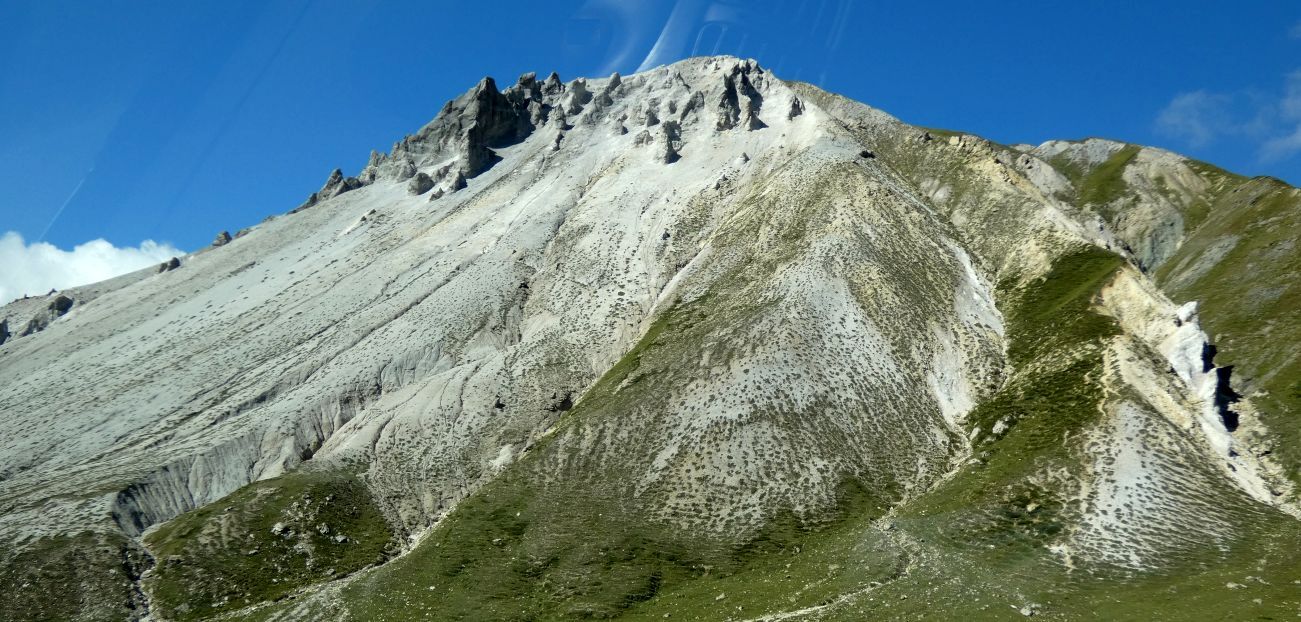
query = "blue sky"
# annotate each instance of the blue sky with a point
(171, 121)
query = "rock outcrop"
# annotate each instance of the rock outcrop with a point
(420, 184)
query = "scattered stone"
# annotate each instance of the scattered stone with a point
(277, 529)
(169, 265)
(222, 239)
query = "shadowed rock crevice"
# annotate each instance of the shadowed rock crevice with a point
(1226, 397)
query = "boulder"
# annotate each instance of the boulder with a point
(420, 184)
(458, 182)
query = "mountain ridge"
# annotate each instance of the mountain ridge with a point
(762, 314)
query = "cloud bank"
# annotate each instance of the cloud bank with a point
(36, 268)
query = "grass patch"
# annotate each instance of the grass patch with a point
(1053, 393)
(264, 541)
(1098, 185)
(1247, 299)
(84, 577)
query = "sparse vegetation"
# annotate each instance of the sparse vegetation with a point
(1098, 185)
(263, 542)
(86, 577)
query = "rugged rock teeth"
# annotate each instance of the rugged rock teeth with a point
(671, 141)
(695, 103)
(537, 112)
(553, 86)
(526, 89)
(731, 110)
(577, 97)
(222, 239)
(558, 119)
(336, 185)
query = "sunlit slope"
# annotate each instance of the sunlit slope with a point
(694, 343)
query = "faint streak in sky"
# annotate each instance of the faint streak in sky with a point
(239, 105)
(59, 212)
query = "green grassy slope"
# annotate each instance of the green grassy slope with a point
(1243, 267)
(82, 577)
(264, 541)
(540, 545)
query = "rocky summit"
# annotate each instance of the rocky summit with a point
(694, 344)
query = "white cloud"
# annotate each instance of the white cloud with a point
(1282, 147)
(1291, 104)
(1197, 118)
(1271, 122)
(1289, 109)
(38, 267)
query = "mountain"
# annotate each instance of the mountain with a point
(696, 343)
